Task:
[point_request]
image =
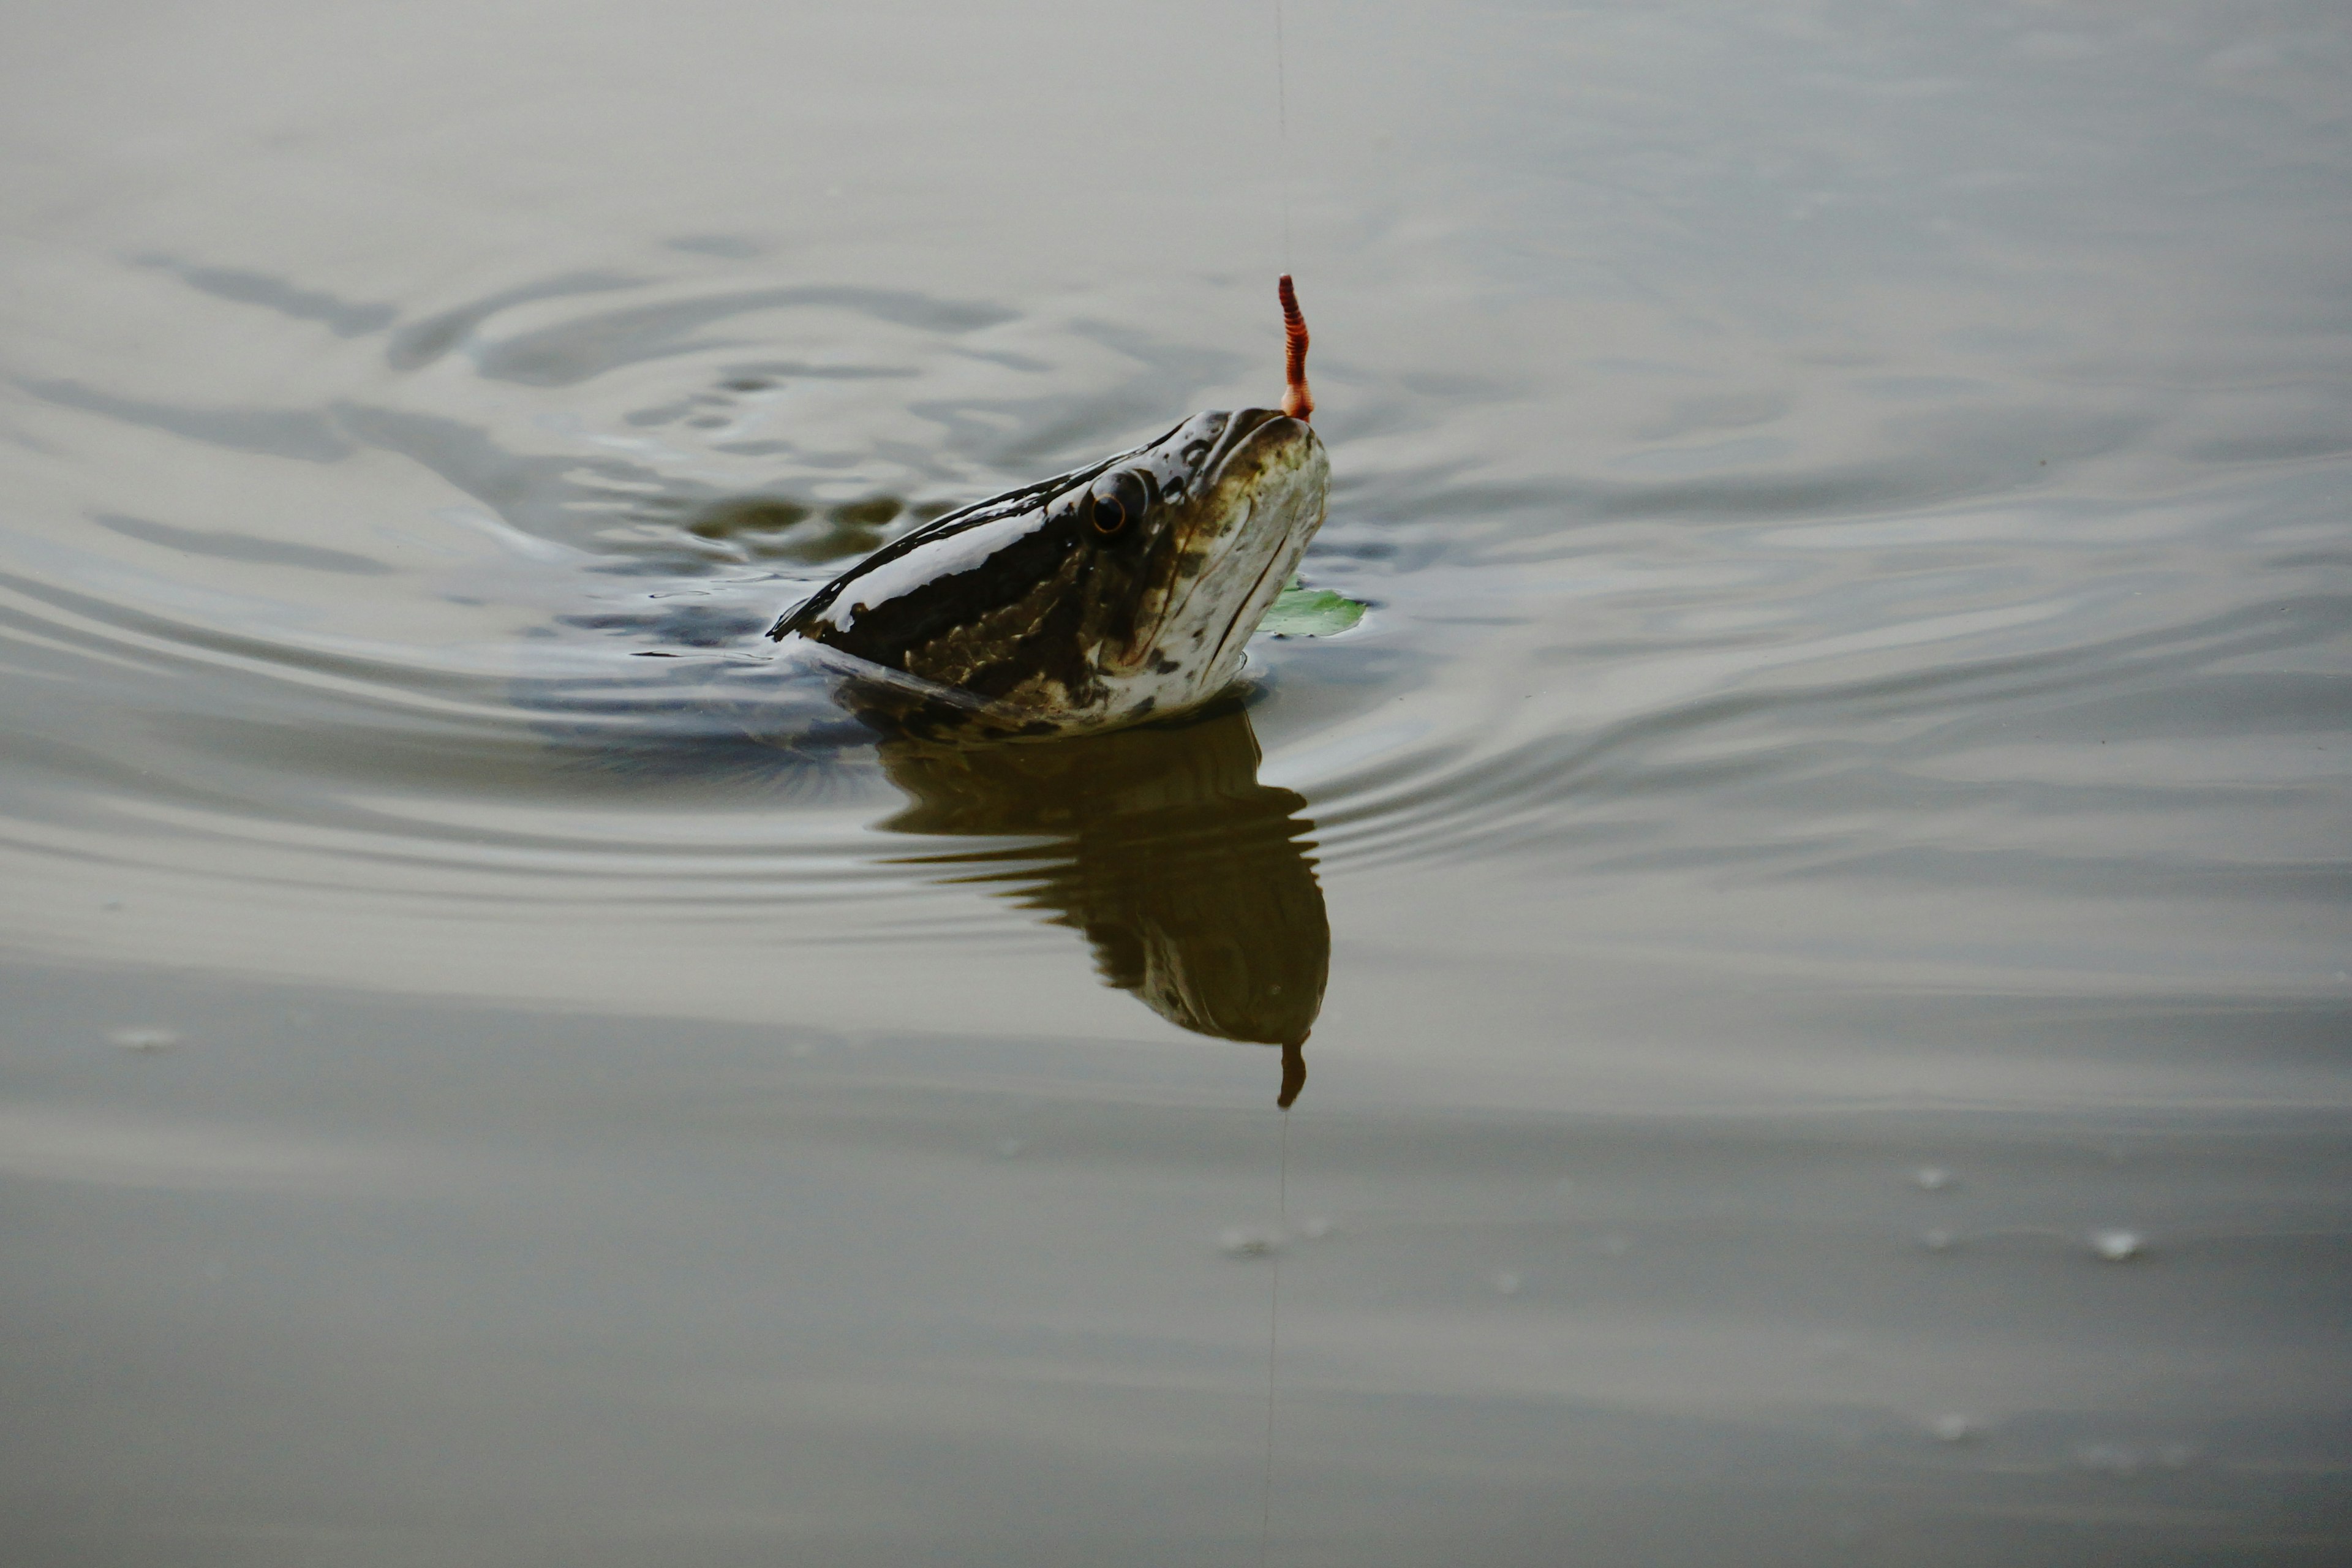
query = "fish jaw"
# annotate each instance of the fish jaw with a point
(1249, 528)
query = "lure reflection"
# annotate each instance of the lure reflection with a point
(1190, 879)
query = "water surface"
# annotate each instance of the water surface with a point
(1826, 859)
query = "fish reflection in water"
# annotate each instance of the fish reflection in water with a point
(1190, 877)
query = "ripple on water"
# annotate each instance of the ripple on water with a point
(1758, 674)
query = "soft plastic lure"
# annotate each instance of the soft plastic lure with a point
(1297, 401)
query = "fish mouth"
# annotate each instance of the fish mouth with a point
(1243, 503)
(1240, 428)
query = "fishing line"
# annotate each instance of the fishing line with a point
(1274, 1338)
(1295, 332)
(1282, 122)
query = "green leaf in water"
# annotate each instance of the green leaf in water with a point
(1304, 612)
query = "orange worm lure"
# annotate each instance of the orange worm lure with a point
(1297, 401)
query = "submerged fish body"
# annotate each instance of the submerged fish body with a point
(1116, 592)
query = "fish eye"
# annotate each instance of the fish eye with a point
(1119, 498)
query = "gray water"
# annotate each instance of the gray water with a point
(1831, 844)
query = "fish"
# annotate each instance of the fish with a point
(1118, 591)
(1107, 607)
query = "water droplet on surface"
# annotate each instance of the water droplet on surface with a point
(1931, 1178)
(145, 1039)
(2118, 1245)
(1506, 1283)
(1939, 1240)
(1241, 1241)
(1952, 1428)
(1315, 1229)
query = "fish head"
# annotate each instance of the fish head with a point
(1116, 592)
